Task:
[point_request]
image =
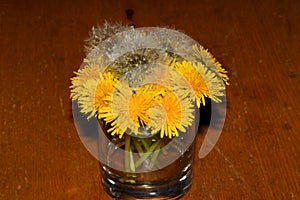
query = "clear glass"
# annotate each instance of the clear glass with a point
(153, 178)
(170, 182)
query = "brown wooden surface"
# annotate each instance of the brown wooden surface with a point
(257, 155)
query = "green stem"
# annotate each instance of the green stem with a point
(138, 146)
(132, 167)
(154, 156)
(145, 144)
(127, 153)
(146, 155)
(158, 165)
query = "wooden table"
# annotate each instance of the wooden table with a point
(257, 155)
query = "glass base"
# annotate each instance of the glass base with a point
(170, 188)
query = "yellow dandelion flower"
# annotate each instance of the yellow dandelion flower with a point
(171, 114)
(151, 106)
(83, 88)
(125, 110)
(139, 105)
(205, 57)
(152, 91)
(105, 87)
(203, 82)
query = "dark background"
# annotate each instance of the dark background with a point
(257, 155)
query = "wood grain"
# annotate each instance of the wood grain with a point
(257, 155)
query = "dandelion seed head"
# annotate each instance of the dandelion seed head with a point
(100, 33)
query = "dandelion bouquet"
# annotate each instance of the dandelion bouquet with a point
(145, 86)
